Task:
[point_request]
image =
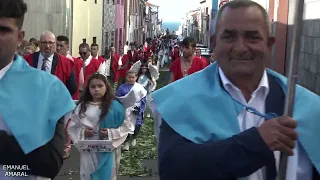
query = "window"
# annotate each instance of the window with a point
(112, 1)
(108, 1)
(118, 1)
(95, 1)
(94, 40)
(122, 2)
(84, 40)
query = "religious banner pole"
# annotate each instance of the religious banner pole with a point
(292, 75)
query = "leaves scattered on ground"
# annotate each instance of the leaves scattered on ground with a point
(146, 148)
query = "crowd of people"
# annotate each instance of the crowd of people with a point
(210, 122)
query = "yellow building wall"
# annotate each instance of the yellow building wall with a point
(87, 23)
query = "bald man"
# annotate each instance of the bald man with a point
(47, 59)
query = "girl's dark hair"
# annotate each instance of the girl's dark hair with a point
(147, 73)
(87, 97)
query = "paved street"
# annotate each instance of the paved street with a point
(70, 169)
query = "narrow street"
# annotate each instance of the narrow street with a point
(70, 169)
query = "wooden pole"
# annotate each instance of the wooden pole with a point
(292, 76)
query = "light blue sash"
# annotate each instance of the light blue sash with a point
(32, 102)
(210, 114)
(114, 119)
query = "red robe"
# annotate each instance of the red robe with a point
(61, 66)
(197, 65)
(122, 71)
(77, 69)
(132, 58)
(92, 68)
(140, 55)
(101, 59)
(175, 54)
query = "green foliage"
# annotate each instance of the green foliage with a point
(131, 162)
(146, 147)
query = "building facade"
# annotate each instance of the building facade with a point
(47, 15)
(109, 23)
(136, 14)
(309, 69)
(87, 23)
(120, 26)
(153, 24)
(205, 16)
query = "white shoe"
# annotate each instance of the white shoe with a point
(126, 147)
(134, 142)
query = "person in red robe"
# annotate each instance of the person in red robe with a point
(132, 54)
(140, 53)
(94, 52)
(123, 67)
(198, 54)
(63, 48)
(90, 65)
(47, 59)
(115, 62)
(188, 63)
(175, 54)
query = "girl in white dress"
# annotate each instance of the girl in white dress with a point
(99, 116)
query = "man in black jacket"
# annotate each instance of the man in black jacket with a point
(33, 105)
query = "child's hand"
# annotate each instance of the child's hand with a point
(104, 132)
(88, 132)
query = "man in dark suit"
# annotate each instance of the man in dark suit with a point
(47, 59)
(221, 128)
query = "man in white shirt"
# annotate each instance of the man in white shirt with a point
(33, 105)
(230, 124)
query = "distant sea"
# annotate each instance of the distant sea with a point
(172, 26)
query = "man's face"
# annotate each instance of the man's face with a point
(242, 44)
(62, 48)
(47, 45)
(198, 52)
(133, 48)
(94, 50)
(112, 50)
(187, 51)
(108, 55)
(121, 52)
(10, 38)
(84, 53)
